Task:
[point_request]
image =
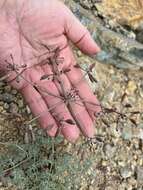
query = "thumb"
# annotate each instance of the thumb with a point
(79, 35)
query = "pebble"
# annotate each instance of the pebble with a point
(13, 108)
(1, 109)
(139, 36)
(7, 89)
(132, 181)
(141, 90)
(125, 172)
(141, 93)
(138, 133)
(132, 35)
(1, 103)
(131, 87)
(114, 132)
(140, 125)
(14, 92)
(127, 133)
(6, 106)
(109, 188)
(28, 109)
(6, 97)
(140, 175)
(20, 103)
(1, 184)
(109, 150)
(86, 4)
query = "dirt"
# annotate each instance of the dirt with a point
(128, 12)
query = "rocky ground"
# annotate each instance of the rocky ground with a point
(119, 155)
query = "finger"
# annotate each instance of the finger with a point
(78, 112)
(85, 92)
(59, 111)
(79, 35)
(76, 79)
(84, 121)
(77, 108)
(39, 109)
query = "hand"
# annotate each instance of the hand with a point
(30, 33)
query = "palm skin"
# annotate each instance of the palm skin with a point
(25, 26)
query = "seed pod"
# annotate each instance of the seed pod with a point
(45, 77)
(36, 88)
(77, 66)
(128, 105)
(135, 112)
(133, 121)
(17, 79)
(67, 70)
(70, 121)
(91, 67)
(92, 79)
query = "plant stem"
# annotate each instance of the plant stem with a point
(44, 112)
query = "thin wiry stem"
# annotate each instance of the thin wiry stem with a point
(37, 86)
(18, 164)
(44, 112)
(87, 72)
(4, 77)
(66, 98)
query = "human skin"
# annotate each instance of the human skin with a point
(25, 25)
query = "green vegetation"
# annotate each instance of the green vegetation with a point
(42, 165)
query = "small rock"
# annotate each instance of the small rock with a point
(14, 92)
(20, 103)
(126, 172)
(132, 181)
(1, 184)
(109, 188)
(139, 36)
(140, 175)
(6, 97)
(6, 106)
(109, 150)
(141, 93)
(7, 88)
(86, 4)
(114, 132)
(141, 90)
(131, 35)
(79, 54)
(138, 133)
(104, 163)
(1, 109)
(1, 103)
(131, 87)
(28, 110)
(13, 108)
(140, 125)
(91, 188)
(127, 133)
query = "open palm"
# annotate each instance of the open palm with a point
(31, 31)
